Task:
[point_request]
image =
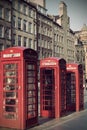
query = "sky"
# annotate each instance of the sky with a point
(76, 10)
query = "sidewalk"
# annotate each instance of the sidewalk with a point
(74, 121)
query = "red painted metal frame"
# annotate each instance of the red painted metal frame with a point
(25, 59)
(78, 71)
(58, 67)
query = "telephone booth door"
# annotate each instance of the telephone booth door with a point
(74, 87)
(62, 87)
(48, 99)
(31, 94)
(70, 91)
(10, 94)
(81, 89)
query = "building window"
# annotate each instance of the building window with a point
(25, 9)
(19, 40)
(1, 11)
(8, 33)
(7, 46)
(24, 25)
(25, 41)
(35, 29)
(19, 23)
(14, 40)
(34, 14)
(54, 37)
(35, 45)
(19, 6)
(14, 21)
(1, 31)
(30, 42)
(30, 28)
(7, 14)
(29, 12)
(1, 47)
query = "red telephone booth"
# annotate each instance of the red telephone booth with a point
(18, 86)
(52, 87)
(74, 87)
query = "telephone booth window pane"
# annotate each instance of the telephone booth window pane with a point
(31, 73)
(10, 115)
(10, 94)
(10, 87)
(10, 80)
(10, 109)
(10, 73)
(31, 67)
(31, 107)
(31, 86)
(31, 93)
(10, 101)
(31, 80)
(31, 114)
(31, 100)
(10, 66)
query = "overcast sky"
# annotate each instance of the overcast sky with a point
(76, 9)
